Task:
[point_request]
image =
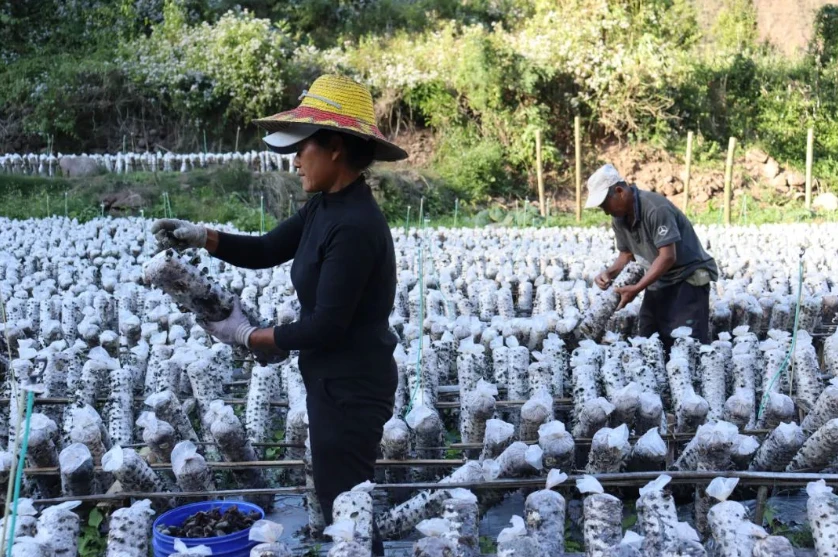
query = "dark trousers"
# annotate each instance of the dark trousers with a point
(679, 305)
(346, 417)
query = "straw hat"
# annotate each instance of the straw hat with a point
(336, 103)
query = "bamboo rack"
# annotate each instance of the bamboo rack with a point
(216, 465)
(559, 402)
(627, 479)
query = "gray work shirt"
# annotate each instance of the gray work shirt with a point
(658, 223)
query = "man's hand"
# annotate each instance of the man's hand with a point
(178, 234)
(236, 329)
(602, 280)
(627, 294)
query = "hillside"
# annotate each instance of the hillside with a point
(464, 86)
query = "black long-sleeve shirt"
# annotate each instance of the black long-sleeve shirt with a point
(344, 272)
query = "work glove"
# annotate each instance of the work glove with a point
(178, 234)
(236, 329)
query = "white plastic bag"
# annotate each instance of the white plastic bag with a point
(434, 527)
(656, 485)
(342, 530)
(517, 530)
(181, 454)
(555, 477)
(113, 459)
(417, 415)
(533, 456)
(265, 531)
(365, 487)
(721, 488)
(589, 484)
(462, 494)
(181, 548)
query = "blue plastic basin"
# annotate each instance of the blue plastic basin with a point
(232, 545)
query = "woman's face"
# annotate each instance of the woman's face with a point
(317, 166)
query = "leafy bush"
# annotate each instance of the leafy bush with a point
(235, 65)
(473, 166)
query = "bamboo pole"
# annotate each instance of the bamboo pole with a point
(456, 210)
(810, 147)
(540, 174)
(18, 476)
(762, 498)
(261, 213)
(729, 179)
(451, 404)
(688, 169)
(577, 133)
(19, 419)
(266, 464)
(624, 479)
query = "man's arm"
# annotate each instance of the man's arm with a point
(662, 263)
(619, 264)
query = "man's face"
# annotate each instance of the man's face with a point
(616, 202)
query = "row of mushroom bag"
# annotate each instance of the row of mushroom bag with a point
(56, 164)
(513, 353)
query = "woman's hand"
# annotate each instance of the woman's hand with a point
(178, 234)
(236, 329)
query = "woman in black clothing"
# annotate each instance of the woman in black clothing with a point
(344, 272)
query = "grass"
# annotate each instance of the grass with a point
(234, 194)
(224, 195)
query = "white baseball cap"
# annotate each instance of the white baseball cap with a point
(598, 185)
(286, 141)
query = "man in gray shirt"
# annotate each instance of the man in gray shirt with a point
(650, 229)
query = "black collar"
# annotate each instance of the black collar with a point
(636, 195)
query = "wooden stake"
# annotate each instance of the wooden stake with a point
(762, 498)
(728, 179)
(687, 177)
(238, 129)
(539, 174)
(810, 145)
(577, 128)
(456, 210)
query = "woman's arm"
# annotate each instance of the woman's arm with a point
(347, 265)
(259, 252)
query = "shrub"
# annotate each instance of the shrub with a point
(236, 65)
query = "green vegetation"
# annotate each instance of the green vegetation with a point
(488, 546)
(91, 540)
(479, 77)
(233, 195)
